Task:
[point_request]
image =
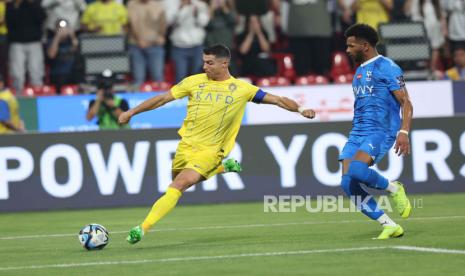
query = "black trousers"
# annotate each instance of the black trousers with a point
(311, 54)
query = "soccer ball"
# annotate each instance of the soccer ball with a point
(94, 236)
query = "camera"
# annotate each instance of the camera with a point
(108, 95)
(62, 23)
(105, 81)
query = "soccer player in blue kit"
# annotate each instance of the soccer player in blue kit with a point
(380, 94)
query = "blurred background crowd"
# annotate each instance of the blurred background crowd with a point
(286, 42)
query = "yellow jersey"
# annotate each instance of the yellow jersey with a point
(110, 16)
(214, 110)
(13, 107)
(372, 12)
(3, 29)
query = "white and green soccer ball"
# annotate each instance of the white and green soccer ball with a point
(94, 236)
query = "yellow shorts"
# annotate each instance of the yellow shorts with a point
(203, 160)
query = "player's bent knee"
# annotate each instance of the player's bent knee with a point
(181, 185)
(358, 170)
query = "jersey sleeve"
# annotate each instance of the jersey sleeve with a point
(394, 77)
(251, 91)
(180, 90)
(4, 111)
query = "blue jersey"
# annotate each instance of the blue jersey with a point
(376, 109)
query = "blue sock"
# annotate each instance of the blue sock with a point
(368, 205)
(359, 170)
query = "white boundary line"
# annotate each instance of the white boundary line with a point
(199, 228)
(429, 249)
(235, 256)
(194, 258)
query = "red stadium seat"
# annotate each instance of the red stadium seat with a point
(340, 65)
(264, 82)
(320, 79)
(69, 90)
(311, 80)
(29, 91)
(273, 81)
(45, 90)
(155, 86)
(281, 81)
(146, 87)
(345, 78)
(285, 64)
(169, 72)
(161, 86)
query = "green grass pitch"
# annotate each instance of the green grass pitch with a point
(238, 239)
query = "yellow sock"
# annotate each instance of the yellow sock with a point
(161, 207)
(220, 169)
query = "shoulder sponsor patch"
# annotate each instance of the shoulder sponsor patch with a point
(400, 81)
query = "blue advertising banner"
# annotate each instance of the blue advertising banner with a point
(64, 114)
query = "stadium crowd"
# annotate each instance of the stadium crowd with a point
(166, 37)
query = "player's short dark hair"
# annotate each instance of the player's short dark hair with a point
(363, 31)
(218, 50)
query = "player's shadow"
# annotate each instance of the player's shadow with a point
(188, 243)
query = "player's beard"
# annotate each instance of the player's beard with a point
(358, 57)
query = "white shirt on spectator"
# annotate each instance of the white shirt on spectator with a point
(189, 30)
(429, 18)
(63, 9)
(456, 9)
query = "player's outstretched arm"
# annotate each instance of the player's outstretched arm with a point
(402, 146)
(147, 105)
(288, 104)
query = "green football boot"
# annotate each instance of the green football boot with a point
(232, 165)
(391, 232)
(135, 235)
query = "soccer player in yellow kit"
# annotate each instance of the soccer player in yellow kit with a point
(214, 113)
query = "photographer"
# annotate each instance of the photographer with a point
(61, 52)
(107, 106)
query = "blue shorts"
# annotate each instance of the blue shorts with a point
(376, 145)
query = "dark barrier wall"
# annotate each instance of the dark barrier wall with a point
(459, 97)
(127, 168)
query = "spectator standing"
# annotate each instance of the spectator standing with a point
(61, 52)
(147, 29)
(309, 30)
(24, 19)
(254, 50)
(105, 17)
(68, 10)
(220, 29)
(3, 41)
(10, 121)
(188, 36)
(372, 12)
(398, 11)
(430, 13)
(456, 24)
